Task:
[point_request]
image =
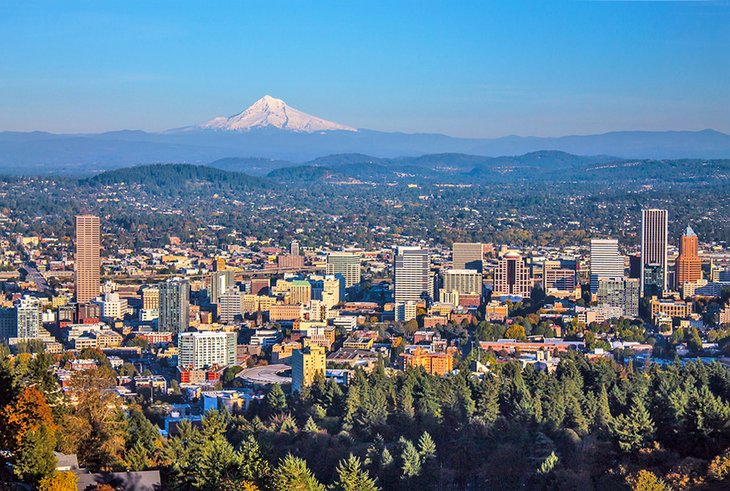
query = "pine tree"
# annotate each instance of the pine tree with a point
(275, 401)
(352, 477)
(426, 447)
(603, 411)
(254, 467)
(574, 417)
(310, 426)
(294, 475)
(34, 459)
(411, 466)
(634, 431)
(405, 401)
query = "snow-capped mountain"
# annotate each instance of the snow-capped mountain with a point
(271, 112)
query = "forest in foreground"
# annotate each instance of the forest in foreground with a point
(589, 425)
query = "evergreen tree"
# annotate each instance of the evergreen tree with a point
(405, 401)
(275, 402)
(254, 467)
(34, 459)
(310, 426)
(634, 431)
(603, 411)
(352, 477)
(411, 461)
(426, 447)
(292, 474)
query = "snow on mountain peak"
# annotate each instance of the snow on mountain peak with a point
(270, 111)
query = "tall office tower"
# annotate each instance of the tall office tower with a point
(174, 306)
(689, 264)
(8, 324)
(463, 281)
(28, 317)
(206, 349)
(411, 274)
(88, 264)
(220, 282)
(294, 248)
(230, 305)
(347, 264)
(512, 277)
(606, 261)
(654, 231)
(151, 298)
(619, 292)
(306, 364)
(468, 255)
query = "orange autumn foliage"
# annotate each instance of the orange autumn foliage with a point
(28, 412)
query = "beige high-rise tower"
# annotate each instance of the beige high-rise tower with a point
(88, 264)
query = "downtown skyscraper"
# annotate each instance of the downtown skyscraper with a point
(174, 306)
(411, 268)
(689, 263)
(606, 261)
(87, 261)
(654, 233)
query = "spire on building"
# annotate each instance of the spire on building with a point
(689, 232)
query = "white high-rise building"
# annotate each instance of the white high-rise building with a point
(28, 312)
(654, 233)
(411, 274)
(206, 349)
(606, 261)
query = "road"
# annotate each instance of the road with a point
(37, 278)
(268, 374)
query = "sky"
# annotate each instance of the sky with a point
(476, 69)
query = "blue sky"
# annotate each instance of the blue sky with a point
(461, 68)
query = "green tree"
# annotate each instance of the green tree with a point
(254, 467)
(34, 459)
(603, 411)
(275, 402)
(635, 430)
(411, 461)
(352, 477)
(292, 474)
(426, 447)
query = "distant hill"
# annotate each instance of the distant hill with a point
(45, 153)
(175, 176)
